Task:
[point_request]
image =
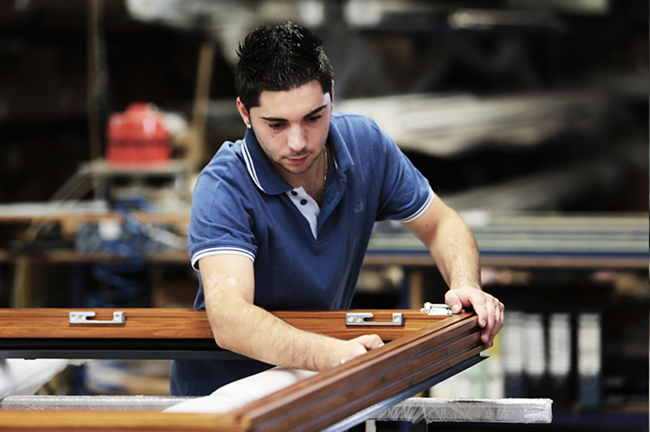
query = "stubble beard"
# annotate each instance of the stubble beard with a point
(288, 168)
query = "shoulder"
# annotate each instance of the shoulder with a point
(350, 123)
(223, 191)
(360, 132)
(361, 135)
(226, 171)
(227, 162)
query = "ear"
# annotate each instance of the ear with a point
(332, 93)
(243, 112)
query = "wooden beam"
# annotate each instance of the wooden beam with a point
(140, 421)
(335, 394)
(309, 405)
(172, 323)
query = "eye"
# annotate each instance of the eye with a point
(314, 119)
(276, 126)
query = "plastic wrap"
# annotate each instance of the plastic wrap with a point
(432, 410)
(92, 403)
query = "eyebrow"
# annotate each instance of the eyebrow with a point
(310, 114)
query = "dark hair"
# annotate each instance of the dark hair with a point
(280, 57)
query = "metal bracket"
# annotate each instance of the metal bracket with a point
(437, 309)
(79, 317)
(359, 318)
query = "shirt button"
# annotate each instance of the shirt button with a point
(303, 201)
(294, 193)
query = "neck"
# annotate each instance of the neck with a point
(316, 187)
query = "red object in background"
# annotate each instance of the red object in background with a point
(137, 136)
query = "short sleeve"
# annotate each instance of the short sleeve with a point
(221, 221)
(405, 192)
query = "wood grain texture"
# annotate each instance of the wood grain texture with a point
(309, 405)
(335, 394)
(140, 323)
(140, 421)
(189, 323)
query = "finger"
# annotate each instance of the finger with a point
(500, 319)
(480, 308)
(497, 325)
(491, 310)
(453, 301)
(485, 337)
(373, 342)
(370, 342)
(486, 334)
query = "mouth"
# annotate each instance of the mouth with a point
(297, 160)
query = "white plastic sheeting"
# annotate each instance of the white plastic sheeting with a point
(239, 393)
(432, 410)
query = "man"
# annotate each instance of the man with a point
(281, 219)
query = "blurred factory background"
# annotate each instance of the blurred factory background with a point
(528, 117)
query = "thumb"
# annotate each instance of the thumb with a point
(453, 301)
(370, 342)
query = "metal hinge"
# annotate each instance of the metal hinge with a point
(437, 309)
(359, 318)
(79, 317)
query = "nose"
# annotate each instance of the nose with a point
(297, 139)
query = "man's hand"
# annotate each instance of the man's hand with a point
(488, 309)
(356, 347)
(453, 248)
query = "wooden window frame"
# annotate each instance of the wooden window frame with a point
(313, 404)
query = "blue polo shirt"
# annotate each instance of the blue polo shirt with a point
(305, 256)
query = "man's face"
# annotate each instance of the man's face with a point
(291, 127)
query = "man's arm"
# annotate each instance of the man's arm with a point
(240, 326)
(453, 248)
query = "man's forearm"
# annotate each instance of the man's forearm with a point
(451, 244)
(240, 326)
(453, 248)
(455, 252)
(251, 331)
